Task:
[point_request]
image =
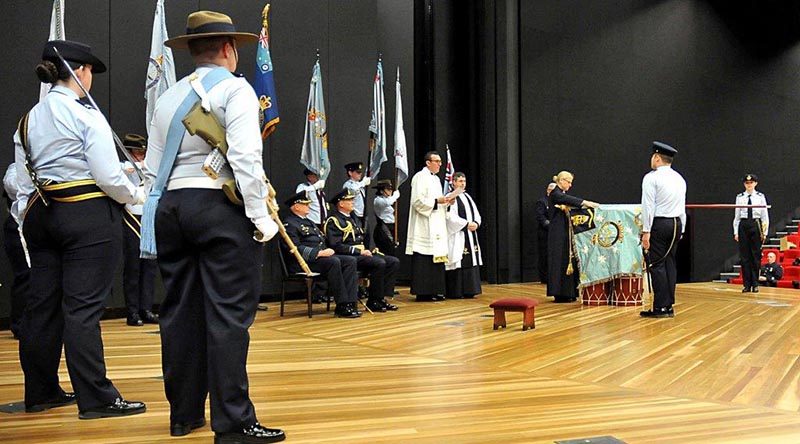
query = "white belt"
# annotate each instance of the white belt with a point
(197, 182)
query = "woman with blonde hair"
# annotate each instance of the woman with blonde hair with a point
(561, 285)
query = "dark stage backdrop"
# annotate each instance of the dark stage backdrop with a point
(349, 35)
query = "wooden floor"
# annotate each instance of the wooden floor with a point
(725, 369)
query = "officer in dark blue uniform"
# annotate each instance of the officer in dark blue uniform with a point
(348, 238)
(339, 270)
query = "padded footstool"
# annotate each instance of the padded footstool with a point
(523, 305)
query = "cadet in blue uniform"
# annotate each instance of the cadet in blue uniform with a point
(347, 237)
(358, 186)
(750, 227)
(74, 241)
(208, 252)
(315, 187)
(138, 275)
(384, 217)
(339, 270)
(663, 220)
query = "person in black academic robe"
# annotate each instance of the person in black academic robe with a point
(562, 286)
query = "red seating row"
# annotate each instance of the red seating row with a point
(790, 273)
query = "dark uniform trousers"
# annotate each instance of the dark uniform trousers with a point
(664, 236)
(19, 266)
(341, 275)
(384, 237)
(750, 250)
(211, 268)
(138, 275)
(382, 271)
(74, 250)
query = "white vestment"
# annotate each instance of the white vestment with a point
(427, 226)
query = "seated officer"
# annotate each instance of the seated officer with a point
(339, 271)
(348, 238)
(771, 272)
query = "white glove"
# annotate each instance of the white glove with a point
(366, 181)
(267, 227)
(139, 196)
(396, 194)
(320, 184)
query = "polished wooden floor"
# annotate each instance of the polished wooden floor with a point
(725, 369)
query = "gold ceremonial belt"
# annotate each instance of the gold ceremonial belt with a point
(74, 191)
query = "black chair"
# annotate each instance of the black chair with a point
(300, 277)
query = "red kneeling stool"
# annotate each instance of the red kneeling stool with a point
(523, 305)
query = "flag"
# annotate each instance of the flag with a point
(56, 33)
(161, 65)
(377, 128)
(264, 82)
(449, 170)
(606, 243)
(400, 148)
(314, 155)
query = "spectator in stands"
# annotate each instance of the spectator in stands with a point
(771, 272)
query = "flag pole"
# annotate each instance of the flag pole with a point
(396, 209)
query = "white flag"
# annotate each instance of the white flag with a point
(400, 148)
(56, 33)
(161, 66)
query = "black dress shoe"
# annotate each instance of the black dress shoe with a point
(376, 305)
(255, 434)
(184, 428)
(119, 407)
(346, 310)
(438, 297)
(662, 312)
(754, 289)
(746, 290)
(388, 306)
(134, 320)
(148, 317)
(59, 401)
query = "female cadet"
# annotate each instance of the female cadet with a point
(71, 221)
(562, 286)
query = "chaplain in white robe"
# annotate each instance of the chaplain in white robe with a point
(427, 231)
(463, 275)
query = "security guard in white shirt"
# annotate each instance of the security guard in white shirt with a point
(663, 223)
(70, 219)
(210, 260)
(750, 227)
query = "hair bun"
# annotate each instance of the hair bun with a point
(555, 178)
(47, 71)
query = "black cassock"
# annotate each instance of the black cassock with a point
(560, 285)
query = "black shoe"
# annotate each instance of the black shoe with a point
(746, 290)
(119, 407)
(346, 310)
(376, 305)
(134, 320)
(662, 312)
(255, 434)
(182, 429)
(425, 298)
(59, 401)
(438, 297)
(396, 293)
(322, 299)
(148, 317)
(754, 289)
(388, 306)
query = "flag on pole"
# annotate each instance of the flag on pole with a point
(377, 128)
(56, 33)
(161, 65)
(400, 148)
(314, 154)
(449, 171)
(264, 82)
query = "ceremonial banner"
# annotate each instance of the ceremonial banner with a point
(264, 83)
(449, 170)
(606, 242)
(314, 154)
(161, 66)
(400, 148)
(377, 127)
(56, 33)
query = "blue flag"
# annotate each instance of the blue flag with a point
(264, 83)
(314, 154)
(377, 127)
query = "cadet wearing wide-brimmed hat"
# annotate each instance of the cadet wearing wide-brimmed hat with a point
(71, 222)
(384, 217)
(209, 258)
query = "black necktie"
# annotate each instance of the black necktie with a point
(749, 210)
(323, 215)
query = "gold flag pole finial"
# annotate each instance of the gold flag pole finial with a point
(265, 16)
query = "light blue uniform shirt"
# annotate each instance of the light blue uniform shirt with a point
(383, 206)
(663, 195)
(358, 189)
(69, 141)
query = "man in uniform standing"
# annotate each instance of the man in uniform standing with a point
(358, 186)
(347, 237)
(663, 222)
(315, 189)
(750, 227)
(208, 253)
(339, 270)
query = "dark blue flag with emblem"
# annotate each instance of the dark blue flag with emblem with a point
(264, 83)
